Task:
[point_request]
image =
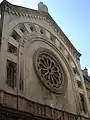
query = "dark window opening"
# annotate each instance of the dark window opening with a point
(41, 31)
(22, 30)
(32, 28)
(52, 39)
(83, 102)
(12, 49)
(15, 35)
(11, 74)
(79, 84)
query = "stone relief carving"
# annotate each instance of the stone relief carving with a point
(23, 41)
(35, 34)
(34, 31)
(49, 70)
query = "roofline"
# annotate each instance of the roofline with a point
(47, 15)
(63, 34)
(5, 2)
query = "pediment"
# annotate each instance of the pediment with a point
(36, 14)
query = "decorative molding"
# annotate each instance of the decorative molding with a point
(52, 37)
(49, 70)
(23, 41)
(32, 110)
(62, 36)
(30, 36)
(34, 14)
(36, 34)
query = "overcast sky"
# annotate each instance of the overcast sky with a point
(73, 17)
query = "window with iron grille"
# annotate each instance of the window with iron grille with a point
(11, 74)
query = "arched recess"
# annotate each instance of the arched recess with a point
(13, 24)
(31, 37)
(37, 37)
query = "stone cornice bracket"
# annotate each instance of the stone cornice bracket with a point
(21, 14)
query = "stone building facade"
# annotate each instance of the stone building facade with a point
(40, 73)
(87, 82)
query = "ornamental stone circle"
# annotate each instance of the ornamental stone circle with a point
(49, 70)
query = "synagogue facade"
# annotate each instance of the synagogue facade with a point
(40, 72)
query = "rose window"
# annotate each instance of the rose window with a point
(49, 70)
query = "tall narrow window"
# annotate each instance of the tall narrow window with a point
(11, 73)
(83, 102)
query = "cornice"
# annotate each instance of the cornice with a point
(31, 109)
(62, 36)
(35, 14)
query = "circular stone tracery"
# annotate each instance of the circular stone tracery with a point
(49, 70)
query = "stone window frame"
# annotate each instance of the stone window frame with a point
(15, 36)
(32, 28)
(12, 49)
(23, 28)
(11, 73)
(83, 103)
(42, 30)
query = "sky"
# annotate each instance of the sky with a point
(73, 17)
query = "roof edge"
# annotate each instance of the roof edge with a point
(48, 16)
(65, 37)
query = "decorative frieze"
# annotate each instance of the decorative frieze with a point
(34, 108)
(43, 16)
